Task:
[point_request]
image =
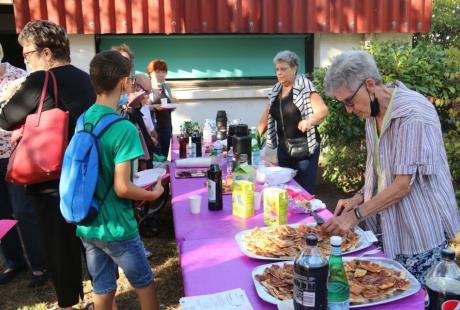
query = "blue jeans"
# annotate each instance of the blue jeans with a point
(164, 139)
(306, 168)
(103, 259)
(15, 203)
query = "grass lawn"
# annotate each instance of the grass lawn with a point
(165, 263)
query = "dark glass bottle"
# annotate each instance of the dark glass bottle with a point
(197, 140)
(310, 278)
(215, 202)
(183, 140)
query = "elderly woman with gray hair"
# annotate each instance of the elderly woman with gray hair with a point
(294, 111)
(408, 197)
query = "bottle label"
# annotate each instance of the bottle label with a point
(211, 191)
(304, 290)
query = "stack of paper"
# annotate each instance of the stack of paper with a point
(228, 300)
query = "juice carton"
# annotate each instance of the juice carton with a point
(275, 206)
(243, 199)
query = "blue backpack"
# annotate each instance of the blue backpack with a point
(80, 172)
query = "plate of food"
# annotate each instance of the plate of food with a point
(372, 281)
(285, 242)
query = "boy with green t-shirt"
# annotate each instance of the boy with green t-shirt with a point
(112, 238)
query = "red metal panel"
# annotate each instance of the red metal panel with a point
(21, 14)
(229, 16)
(156, 20)
(91, 20)
(208, 12)
(139, 16)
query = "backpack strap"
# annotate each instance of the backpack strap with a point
(101, 127)
(105, 123)
(80, 123)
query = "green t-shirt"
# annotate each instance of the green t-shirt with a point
(118, 144)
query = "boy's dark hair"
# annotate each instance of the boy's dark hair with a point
(107, 69)
(42, 34)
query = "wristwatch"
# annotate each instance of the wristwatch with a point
(358, 214)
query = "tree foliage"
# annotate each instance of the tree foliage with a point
(445, 25)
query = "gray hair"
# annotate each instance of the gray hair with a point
(350, 69)
(287, 56)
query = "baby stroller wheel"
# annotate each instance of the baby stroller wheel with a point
(149, 227)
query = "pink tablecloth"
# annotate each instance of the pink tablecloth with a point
(209, 256)
(214, 265)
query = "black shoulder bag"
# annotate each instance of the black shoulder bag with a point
(296, 147)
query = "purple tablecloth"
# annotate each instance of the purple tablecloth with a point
(214, 265)
(209, 256)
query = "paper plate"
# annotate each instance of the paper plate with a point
(147, 177)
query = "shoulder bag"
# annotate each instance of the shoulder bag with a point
(37, 156)
(297, 147)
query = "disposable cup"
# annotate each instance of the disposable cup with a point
(257, 200)
(164, 101)
(195, 204)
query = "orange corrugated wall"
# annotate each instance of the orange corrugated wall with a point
(229, 16)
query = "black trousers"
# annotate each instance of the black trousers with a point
(62, 247)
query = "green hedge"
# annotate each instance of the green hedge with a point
(428, 69)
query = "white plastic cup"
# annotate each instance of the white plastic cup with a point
(164, 101)
(195, 204)
(257, 200)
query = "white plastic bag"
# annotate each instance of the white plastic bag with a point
(275, 175)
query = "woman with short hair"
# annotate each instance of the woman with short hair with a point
(407, 197)
(46, 48)
(294, 111)
(157, 70)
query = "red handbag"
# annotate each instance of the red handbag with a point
(37, 156)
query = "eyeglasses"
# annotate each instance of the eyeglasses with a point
(349, 101)
(27, 55)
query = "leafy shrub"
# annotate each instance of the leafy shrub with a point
(343, 142)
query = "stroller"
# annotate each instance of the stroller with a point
(145, 211)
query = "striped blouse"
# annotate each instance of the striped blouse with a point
(411, 143)
(301, 96)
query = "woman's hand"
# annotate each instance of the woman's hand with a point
(342, 224)
(345, 205)
(305, 125)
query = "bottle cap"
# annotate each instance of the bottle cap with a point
(336, 241)
(448, 254)
(312, 240)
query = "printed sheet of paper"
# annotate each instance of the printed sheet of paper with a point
(228, 300)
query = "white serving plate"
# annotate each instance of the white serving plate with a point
(169, 105)
(414, 288)
(147, 177)
(362, 243)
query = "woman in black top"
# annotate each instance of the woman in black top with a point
(294, 111)
(46, 47)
